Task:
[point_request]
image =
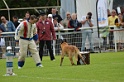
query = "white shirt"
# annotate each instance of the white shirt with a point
(86, 23)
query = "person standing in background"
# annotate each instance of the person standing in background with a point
(27, 15)
(50, 17)
(2, 45)
(8, 26)
(87, 21)
(46, 34)
(111, 23)
(15, 21)
(57, 16)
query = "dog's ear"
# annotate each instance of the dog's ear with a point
(65, 40)
(62, 41)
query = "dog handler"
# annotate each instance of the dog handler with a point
(24, 34)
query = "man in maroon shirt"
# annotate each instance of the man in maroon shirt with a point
(46, 34)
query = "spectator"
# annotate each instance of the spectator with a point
(108, 11)
(8, 26)
(55, 15)
(119, 34)
(46, 33)
(50, 17)
(57, 27)
(104, 33)
(27, 15)
(2, 45)
(111, 23)
(15, 21)
(74, 23)
(26, 41)
(20, 20)
(66, 20)
(87, 21)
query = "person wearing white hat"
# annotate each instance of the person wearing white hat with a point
(50, 17)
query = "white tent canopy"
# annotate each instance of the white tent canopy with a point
(84, 6)
(67, 6)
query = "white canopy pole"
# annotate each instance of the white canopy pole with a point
(7, 9)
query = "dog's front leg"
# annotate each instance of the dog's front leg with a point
(61, 61)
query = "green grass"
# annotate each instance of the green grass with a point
(104, 67)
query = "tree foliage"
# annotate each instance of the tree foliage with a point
(22, 4)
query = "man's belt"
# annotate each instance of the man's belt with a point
(26, 38)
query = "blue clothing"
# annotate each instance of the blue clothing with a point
(86, 34)
(1, 28)
(10, 27)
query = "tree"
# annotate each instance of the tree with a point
(24, 3)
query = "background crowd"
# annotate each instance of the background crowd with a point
(48, 24)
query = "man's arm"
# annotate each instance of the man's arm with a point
(18, 31)
(90, 23)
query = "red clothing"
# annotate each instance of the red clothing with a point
(47, 28)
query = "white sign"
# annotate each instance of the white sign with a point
(102, 13)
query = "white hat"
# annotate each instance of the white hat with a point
(9, 48)
(50, 15)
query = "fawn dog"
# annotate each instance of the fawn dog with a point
(70, 51)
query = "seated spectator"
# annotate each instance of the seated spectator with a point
(73, 22)
(66, 20)
(57, 27)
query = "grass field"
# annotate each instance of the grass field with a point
(104, 67)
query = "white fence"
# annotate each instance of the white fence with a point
(74, 38)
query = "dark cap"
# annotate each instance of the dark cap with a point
(42, 13)
(89, 13)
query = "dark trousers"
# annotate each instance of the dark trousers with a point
(111, 37)
(0, 52)
(104, 42)
(49, 47)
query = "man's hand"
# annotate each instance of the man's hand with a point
(0, 32)
(58, 29)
